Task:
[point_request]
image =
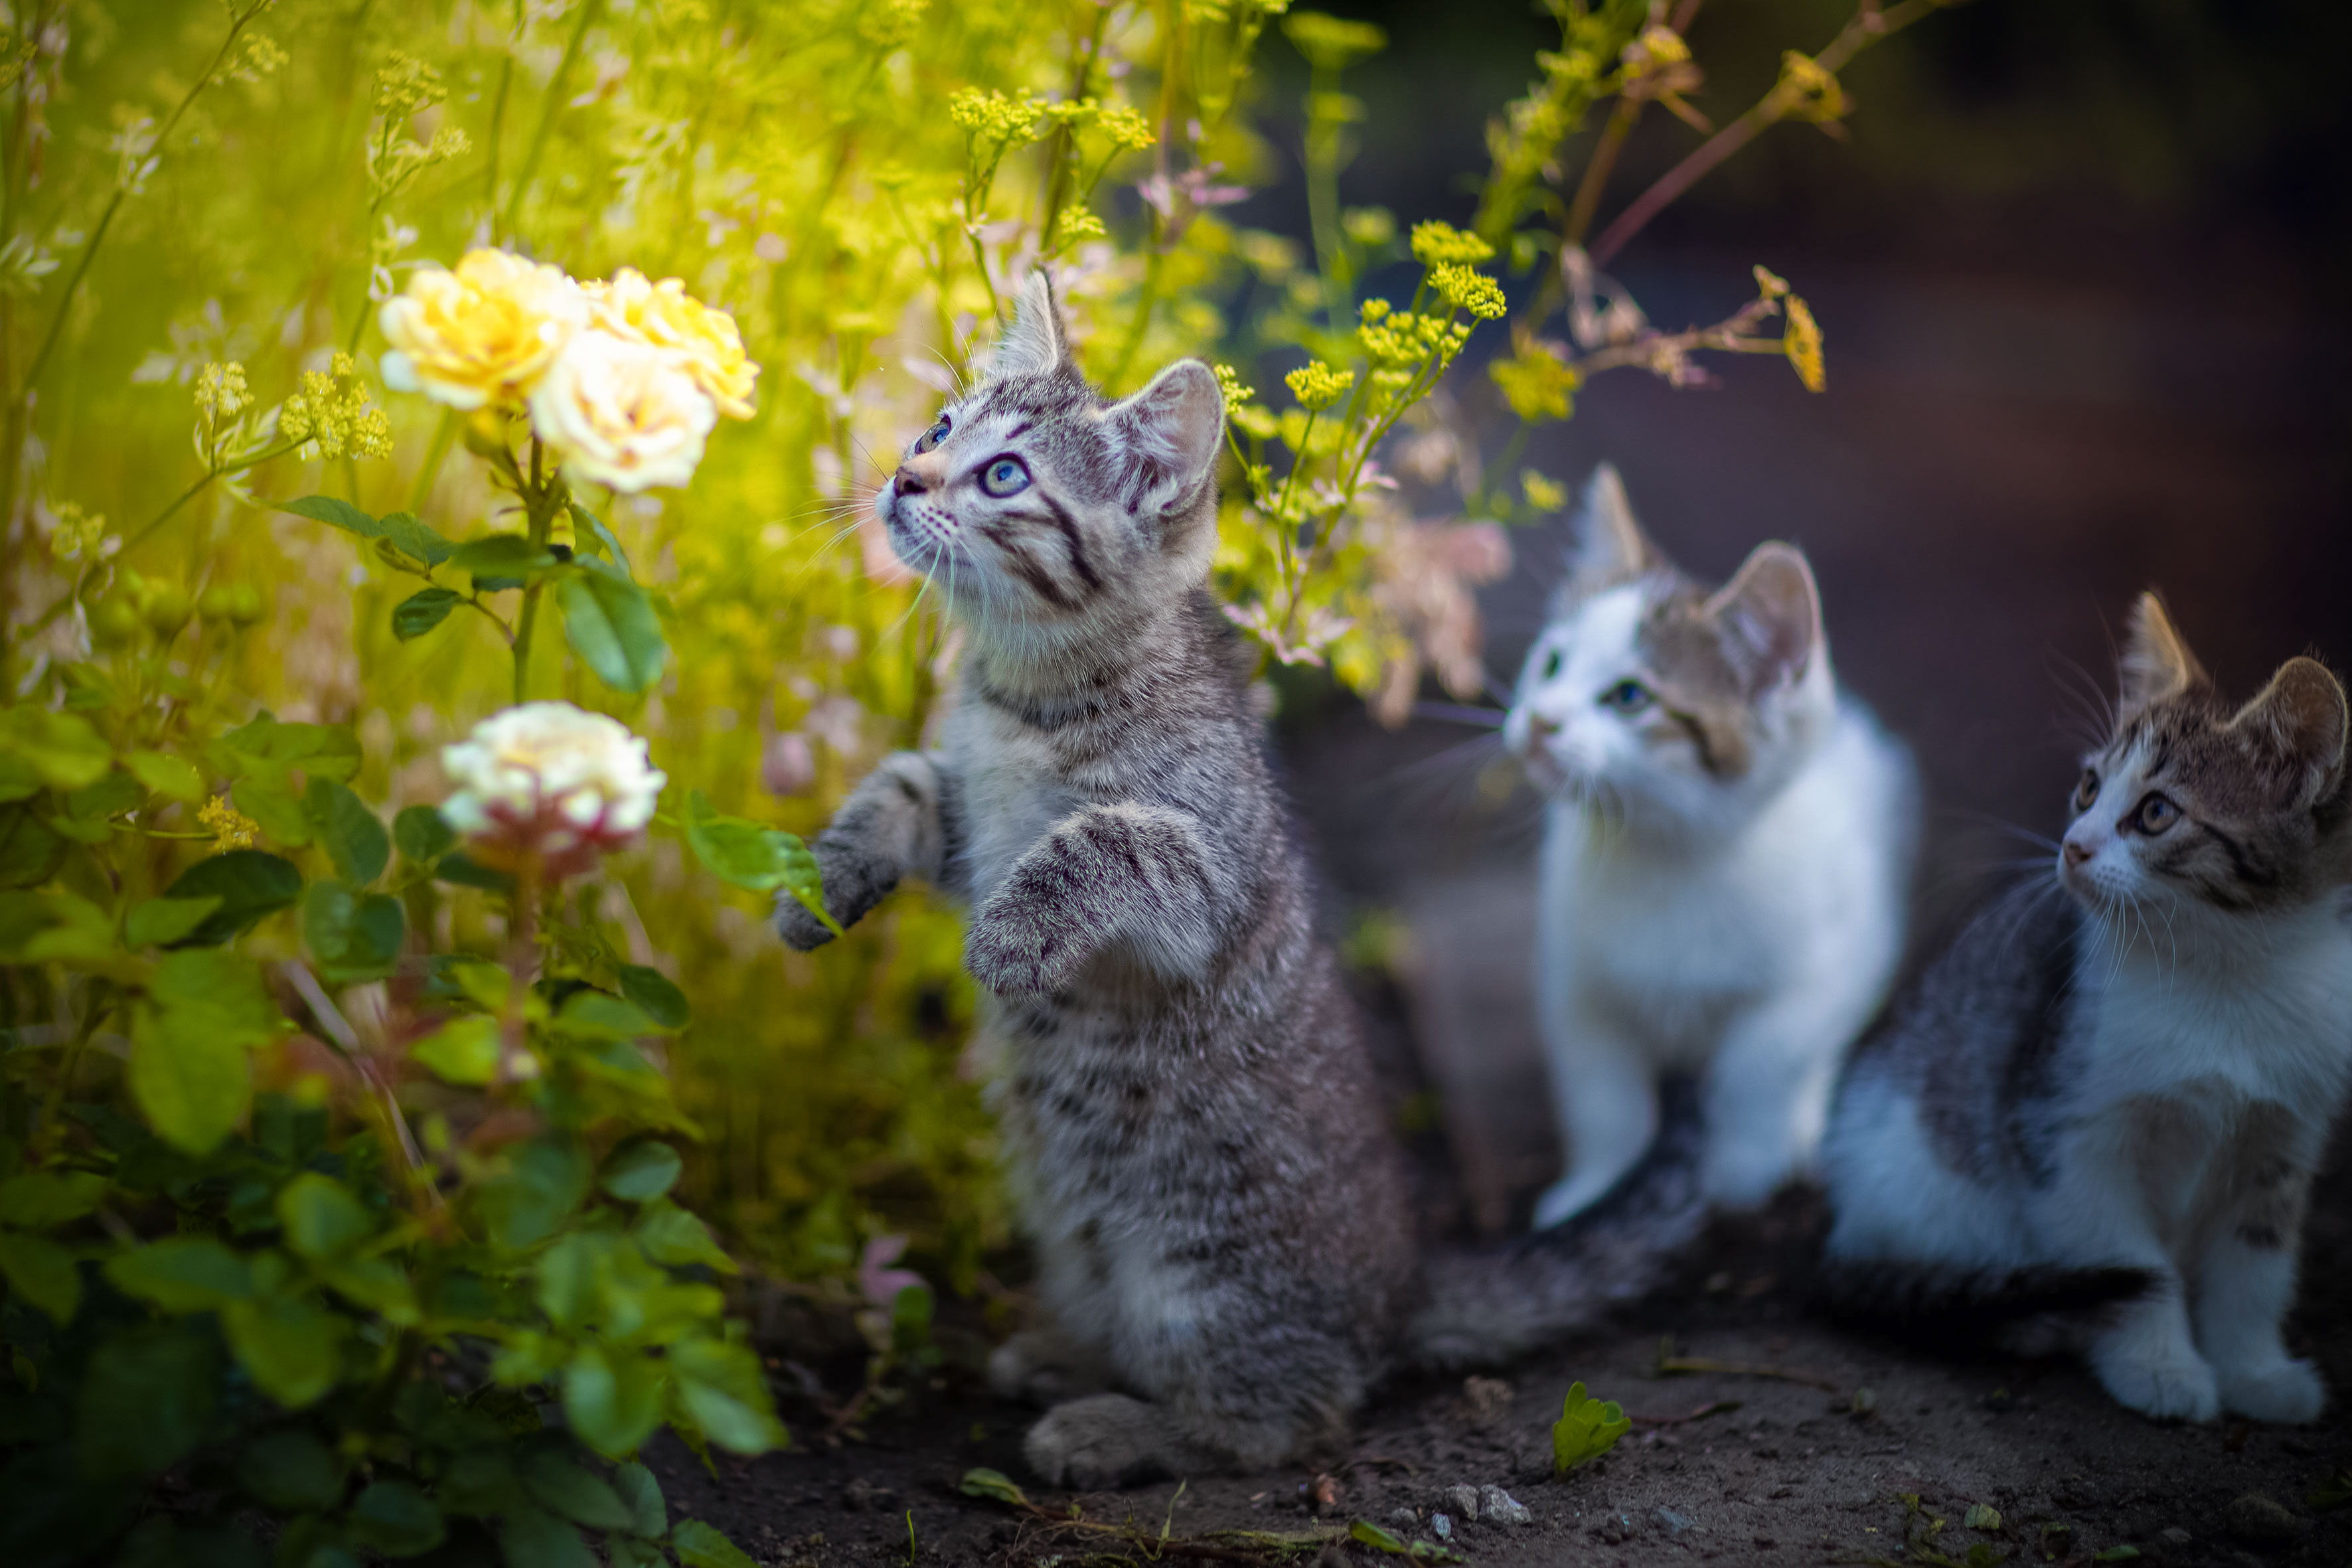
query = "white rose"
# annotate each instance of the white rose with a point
(551, 781)
(623, 413)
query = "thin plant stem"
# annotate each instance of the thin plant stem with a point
(548, 109)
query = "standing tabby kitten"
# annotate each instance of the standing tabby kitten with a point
(1197, 1148)
(1725, 860)
(2123, 1093)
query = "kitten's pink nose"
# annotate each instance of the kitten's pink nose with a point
(909, 483)
(1542, 727)
(2076, 853)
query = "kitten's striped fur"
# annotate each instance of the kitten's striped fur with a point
(1197, 1148)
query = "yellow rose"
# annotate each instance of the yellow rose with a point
(623, 413)
(665, 315)
(484, 333)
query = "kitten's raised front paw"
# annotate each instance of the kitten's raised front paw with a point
(1104, 1440)
(2290, 1393)
(1012, 954)
(1043, 1366)
(2175, 1388)
(801, 930)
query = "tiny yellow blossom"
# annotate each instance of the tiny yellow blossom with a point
(1441, 244)
(1543, 493)
(888, 24)
(1123, 127)
(1802, 344)
(230, 828)
(991, 117)
(1536, 385)
(484, 333)
(330, 415)
(221, 395)
(1317, 386)
(666, 316)
(1467, 290)
(73, 533)
(1229, 383)
(1368, 225)
(405, 85)
(1819, 98)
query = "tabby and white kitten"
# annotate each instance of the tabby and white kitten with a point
(1726, 859)
(2122, 1091)
(1197, 1146)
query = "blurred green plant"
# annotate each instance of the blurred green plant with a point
(1587, 1428)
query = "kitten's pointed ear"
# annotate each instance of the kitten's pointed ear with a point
(2156, 663)
(2301, 713)
(1034, 342)
(1166, 436)
(1770, 616)
(1607, 545)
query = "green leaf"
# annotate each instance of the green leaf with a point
(593, 1014)
(30, 852)
(350, 832)
(462, 1051)
(64, 749)
(751, 856)
(182, 1274)
(582, 517)
(648, 1514)
(354, 936)
(292, 1472)
(561, 1486)
(613, 1400)
(292, 1346)
(416, 539)
(1587, 1428)
(701, 1545)
(43, 1273)
(465, 871)
(1373, 1535)
(321, 1217)
(274, 810)
(2115, 1554)
(638, 1172)
(610, 624)
(36, 928)
(336, 513)
(97, 804)
(671, 1235)
(500, 555)
(544, 1181)
(249, 884)
(655, 996)
(268, 750)
(421, 834)
(189, 1079)
(996, 1484)
(160, 922)
(40, 1199)
(533, 1538)
(395, 1519)
(376, 1284)
(174, 778)
(422, 611)
(1982, 1516)
(723, 1392)
(147, 1396)
(17, 779)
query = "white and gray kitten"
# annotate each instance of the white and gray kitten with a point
(1726, 865)
(2118, 1093)
(1226, 1254)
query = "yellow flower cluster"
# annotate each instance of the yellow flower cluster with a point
(1466, 290)
(405, 85)
(990, 116)
(1124, 128)
(1436, 243)
(1536, 385)
(1543, 492)
(74, 532)
(1400, 340)
(230, 828)
(221, 395)
(330, 415)
(1819, 98)
(1229, 383)
(625, 378)
(1317, 386)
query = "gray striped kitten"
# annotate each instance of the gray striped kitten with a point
(2113, 1100)
(1227, 1263)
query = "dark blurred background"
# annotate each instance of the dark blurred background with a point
(2082, 272)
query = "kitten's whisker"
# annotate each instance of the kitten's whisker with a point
(1459, 713)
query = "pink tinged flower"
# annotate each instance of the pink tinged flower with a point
(628, 414)
(550, 783)
(877, 1280)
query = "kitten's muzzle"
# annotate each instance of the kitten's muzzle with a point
(908, 482)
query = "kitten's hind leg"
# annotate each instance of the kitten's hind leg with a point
(2146, 1359)
(1768, 1096)
(2245, 1286)
(1608, 1104)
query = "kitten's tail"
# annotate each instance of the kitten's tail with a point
(1941, 1304)
(1488, 1304)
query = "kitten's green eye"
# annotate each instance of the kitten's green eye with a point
(2087, 791)
(935, 435)
(1005, 476)
(1627, 697)
(2155, 815)
(1551, 665)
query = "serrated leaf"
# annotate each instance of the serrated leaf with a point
(64, 749)
(250, 885)
(1982, 1516)
(421, 832)
(648, 1514)
(274, 810)
(354, 936)
(335, 512)
(352, 833)
(376, 1284)
(535, 1539)
(544, 1180)
(321, 1217)
(610, 624)
(655, 994)
(638, 1172)
(422, 611)
(561, 1486)
(159, 922)
(462, 1051)
(751, 856)
(189, 1080)
(182, 1274)
(671, 1235)
(613, 1399)
(41, 1272)
(416, 539)
(723, 1392)
(995, 1484)
(701, 1545)
(593, 1014)
(174, 778)
(290, 1345)
(1587, 1428)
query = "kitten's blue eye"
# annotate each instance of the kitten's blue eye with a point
(935, 435)
(2087, 791)
(1551, 665)
(1005, 476)
(2155, 815)
(1627, 697)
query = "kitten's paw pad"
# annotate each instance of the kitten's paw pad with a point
(1019, 957)
(2289, 1393)
(1102, 1441)
(801, 930)
(2170, 1388)
(1039, 1366)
